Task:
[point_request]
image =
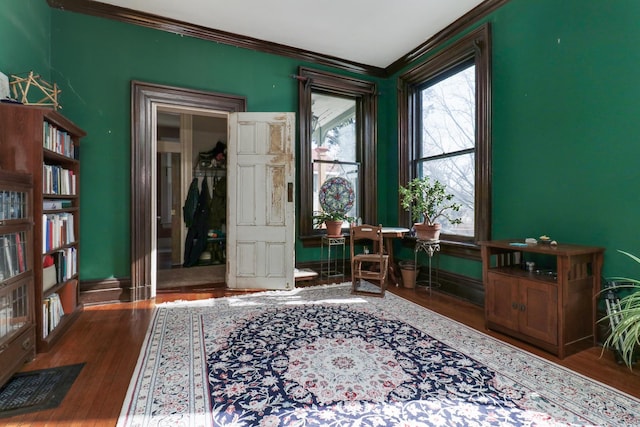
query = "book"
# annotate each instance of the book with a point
(5, 250)
(20, 251)
(49, 204)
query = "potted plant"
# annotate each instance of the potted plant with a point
(336, 198)
(332, 220)
(427, 200)
(625, 320)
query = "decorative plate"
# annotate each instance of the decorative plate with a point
(336, 194)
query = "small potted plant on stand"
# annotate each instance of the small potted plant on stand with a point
(427, 200)
(336, 199)
(332, 220)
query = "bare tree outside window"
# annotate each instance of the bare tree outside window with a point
(447, 142)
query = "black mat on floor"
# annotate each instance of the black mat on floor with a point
(37, 390)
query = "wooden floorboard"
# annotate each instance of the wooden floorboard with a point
(108, 338)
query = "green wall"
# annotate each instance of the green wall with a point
(565, 124)
(96, 59)
(565, 119)
(25, 29)
(564, 116)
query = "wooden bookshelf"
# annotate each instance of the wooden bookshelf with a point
(44, 143)
(17, 330)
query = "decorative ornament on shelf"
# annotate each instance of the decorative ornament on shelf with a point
(21, 87)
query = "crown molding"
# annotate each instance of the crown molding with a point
(143, 19)
(134, 17)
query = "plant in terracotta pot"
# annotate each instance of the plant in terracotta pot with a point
(332, 220)
(336, 198)
(427, 200)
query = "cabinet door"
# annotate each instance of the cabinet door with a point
(501, 300)
(538, 316)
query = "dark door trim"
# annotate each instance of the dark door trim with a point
(143, 97)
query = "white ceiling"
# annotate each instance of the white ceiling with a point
(369, 32)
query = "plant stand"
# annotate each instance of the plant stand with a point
(430, 247)
(333, 260)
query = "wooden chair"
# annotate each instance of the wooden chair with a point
(368, 267)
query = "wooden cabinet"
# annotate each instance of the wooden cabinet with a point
(17, 330)
(44, 143)
(552, 306)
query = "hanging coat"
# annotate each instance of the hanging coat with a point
(191, 204)
(196, 240)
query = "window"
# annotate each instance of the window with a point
(445, 130)
(337, 139)
(446, 139)
(334, 145)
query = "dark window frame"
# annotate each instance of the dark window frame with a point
(365, 94)
(475, 45)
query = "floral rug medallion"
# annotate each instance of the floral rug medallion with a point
(338, 369)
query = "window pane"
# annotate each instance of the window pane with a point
(333, 139)
(448, 128)
(448, 114)
(333, 128)
(458, 174)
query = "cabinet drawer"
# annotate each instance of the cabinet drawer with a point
(16, 353)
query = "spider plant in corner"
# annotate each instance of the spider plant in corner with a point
(625, 320)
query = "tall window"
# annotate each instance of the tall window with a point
(447, 139)
(334, 147)
(337, 140)
(445, 117)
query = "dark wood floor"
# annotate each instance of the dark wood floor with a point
(108, 338)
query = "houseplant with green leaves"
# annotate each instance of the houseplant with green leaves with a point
(332, 219)
(625, 320)
(427, 200)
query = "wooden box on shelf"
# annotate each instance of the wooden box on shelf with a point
(17, 329)
(553, 306)
(44, 143)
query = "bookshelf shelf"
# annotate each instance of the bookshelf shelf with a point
(44, 143)
(17, 321)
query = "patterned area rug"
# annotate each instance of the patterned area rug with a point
(319, 356)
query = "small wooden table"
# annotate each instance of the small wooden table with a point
(390, 233)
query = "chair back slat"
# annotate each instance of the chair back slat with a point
(361, 262)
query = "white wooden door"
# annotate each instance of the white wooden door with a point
(260, 195)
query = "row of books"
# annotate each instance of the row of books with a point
(12, 255)
(65, 262)
(57, 230)
(57, 180)
(57, 140)
(51, 204)
(52, 312)
(13, 204)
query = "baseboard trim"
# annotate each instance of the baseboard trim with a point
(107, 291)
(456, 285)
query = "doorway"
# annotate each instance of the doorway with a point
(190, 168)
(147, 99)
